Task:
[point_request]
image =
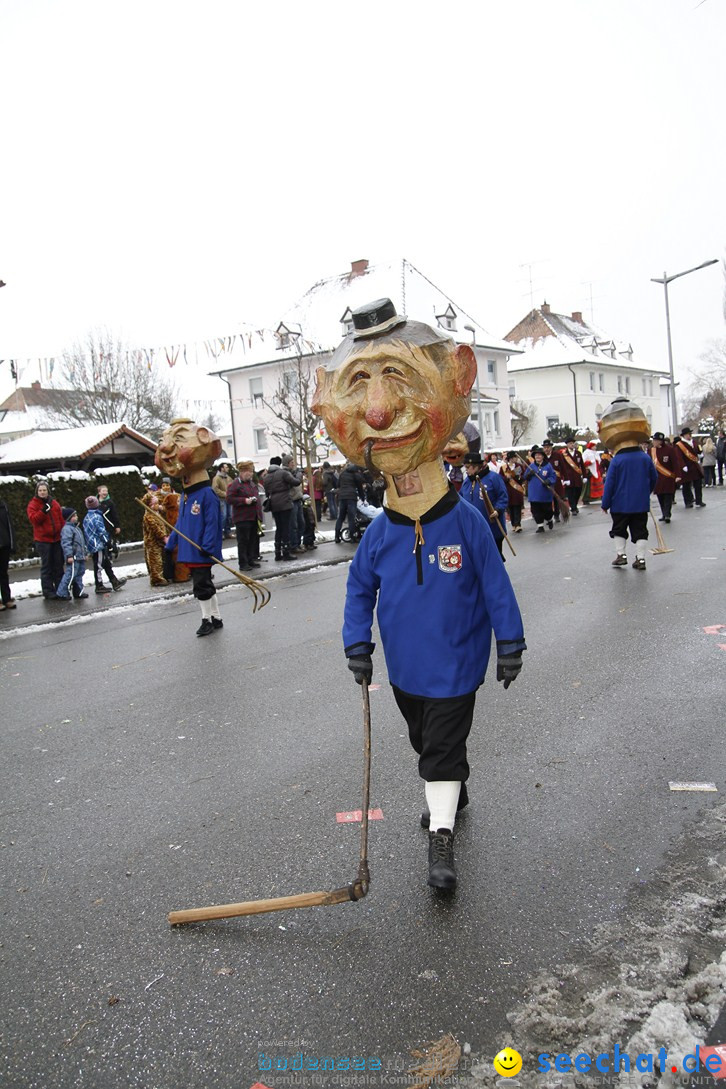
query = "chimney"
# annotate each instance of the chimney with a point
(577, 316)
(358, 268)
(545, 308)
(35, 384)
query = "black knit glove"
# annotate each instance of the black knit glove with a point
(361, 666)
(508, 668)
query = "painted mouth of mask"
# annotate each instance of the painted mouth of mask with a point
(397, 440)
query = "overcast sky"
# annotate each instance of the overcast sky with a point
(173, 169)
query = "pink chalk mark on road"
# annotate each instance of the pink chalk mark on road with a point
(714, 629)
(355, 816)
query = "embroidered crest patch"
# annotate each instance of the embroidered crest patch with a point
(450, 557)
(196, 507)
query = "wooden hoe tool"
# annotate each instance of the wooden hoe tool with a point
(661, 541)
(356, 890)
(490, 511)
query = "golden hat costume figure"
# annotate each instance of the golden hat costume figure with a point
(631, 477)
(395, 393)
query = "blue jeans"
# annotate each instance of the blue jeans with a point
(332, 507)
(73, 574)
(297, 523)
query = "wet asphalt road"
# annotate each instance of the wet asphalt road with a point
(145, 770)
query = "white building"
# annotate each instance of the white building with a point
(314, 327)
(571, 371)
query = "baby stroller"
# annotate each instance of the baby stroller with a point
(364, 515)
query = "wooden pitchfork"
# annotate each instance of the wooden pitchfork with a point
(661, 541)
(490, 510)
(259, 592)
(356, 890)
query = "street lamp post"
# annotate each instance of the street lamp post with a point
(472, 330)
(665, 280)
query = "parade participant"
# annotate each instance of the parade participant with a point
(573, 472)
(74, 554)
(454, 453)
(173, 570)
(396, 392)
(186, 451)
(665, 461)
(480, 480)
(110, 516)
(631, 478)
(689, 468)
(540, 478)
(554, 457)
(512, 473)
(242, 495)
(97, 538)
(593, 478)
(46, 518)
(154, 534)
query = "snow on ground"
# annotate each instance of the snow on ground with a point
(31, 587)
(655, 978)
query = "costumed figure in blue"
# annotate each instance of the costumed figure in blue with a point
(631, 478)
(541, 481)
(482, 484)
(186, 451)
(428, 567)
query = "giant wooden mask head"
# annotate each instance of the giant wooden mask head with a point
(623, 424)
(395, 392)
(187, 450)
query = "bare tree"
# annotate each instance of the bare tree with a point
(108, 382)
(706, 398)
(524, 417)
(290, 405)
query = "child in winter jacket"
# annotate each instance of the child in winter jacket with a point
(74, 554)
(96, 533)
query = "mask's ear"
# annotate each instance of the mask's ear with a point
(204, 435)
(464, 364)
(323, 381)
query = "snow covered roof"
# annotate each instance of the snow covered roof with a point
(316, 323)
(68, 444)
(547, 339)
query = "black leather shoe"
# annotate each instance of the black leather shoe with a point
(217, 623)
(254, 563)
(461, 804)
(101, 589)
(442, 873)
(205, 628)
(79, 596)
(118, 583)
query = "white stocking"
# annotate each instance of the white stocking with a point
(442, 798)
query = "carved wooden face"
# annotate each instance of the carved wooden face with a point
(186, 449)
(404, 400)
(456, 450)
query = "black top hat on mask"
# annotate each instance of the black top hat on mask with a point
(375, 318)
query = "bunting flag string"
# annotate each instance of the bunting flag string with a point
(171, 359)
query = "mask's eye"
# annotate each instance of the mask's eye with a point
(359, 376)
(393, 370)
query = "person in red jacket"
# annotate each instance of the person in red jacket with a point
(46, 517)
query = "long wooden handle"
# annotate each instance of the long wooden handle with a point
(490, 509)
(261, 907)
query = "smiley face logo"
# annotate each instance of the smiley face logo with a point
(508, 1062)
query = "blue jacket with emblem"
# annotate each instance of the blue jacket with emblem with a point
(496, 489)
(539, 476)
(631, 478)
(436, 603)
(200, 519)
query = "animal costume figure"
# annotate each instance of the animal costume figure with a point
(394, 395)
(155, 533)
(186, 451)
(170, 510)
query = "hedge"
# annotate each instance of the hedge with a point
(71, 489)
